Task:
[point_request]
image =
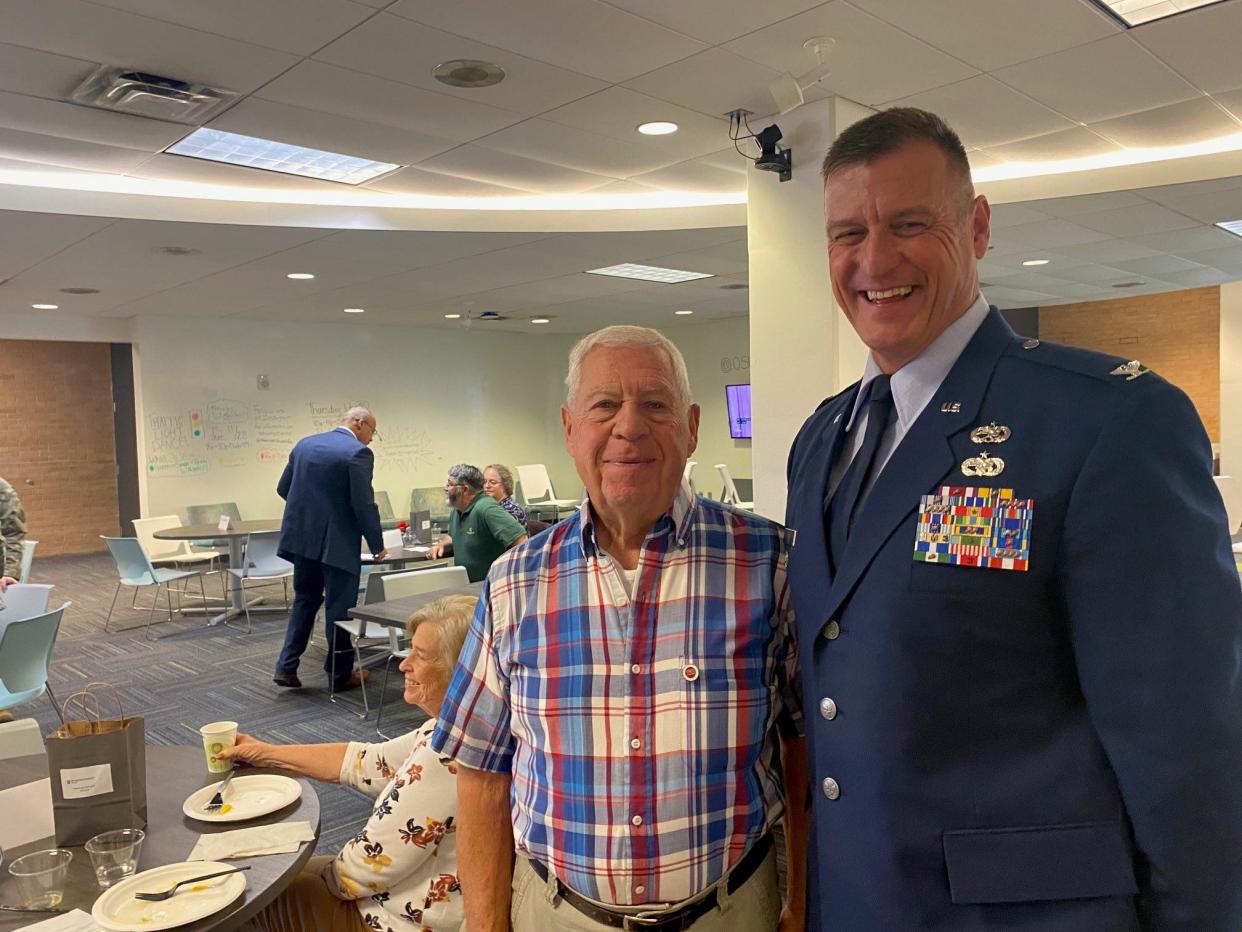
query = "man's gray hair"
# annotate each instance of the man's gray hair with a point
(467, 475)
(357, 413)
(628, 335)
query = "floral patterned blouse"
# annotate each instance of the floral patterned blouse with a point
(518, 512)
(402, 867)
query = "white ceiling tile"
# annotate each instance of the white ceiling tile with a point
(1175, 125)
(1029, 280)
(990, 34)
(1076, 291)
(1158, 266)
(1197, 278)
(69, 153)
(401, 50)
(333, 132)
(1068, 144)
(433, 184)
(712, 82)
(1105, 252)
(1049, 234)
(1231, 101)
(165, 167)
(979, 159)
(115, 37)
(1206, 202)
(500, 168)
(1136, 220)
(1105, 79)
(729, 159)
(1006, 298)
(1012, 215)
(1202, 45)
(27, 238)
(862, 60)
(1184, 242)
(1089, 203)
(714, 21)
(624, 187)
(297, 26)
(986, 113)
(694, 176)
(586, 36)
(317, 86)
(1103, 275)
(543, 140)
(40, 74)
(1227, 260)
(85, 124)
(617, 112)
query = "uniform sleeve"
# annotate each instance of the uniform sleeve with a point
(368, 768)
(1155, 615)
(12, 533)
(412, 818)
(503, 526)
(473, 728)
(789, 683)
(362, 498)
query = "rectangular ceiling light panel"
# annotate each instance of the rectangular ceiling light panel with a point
(1233, 226)
(649, 273)
(1137, 12)
(252, 152)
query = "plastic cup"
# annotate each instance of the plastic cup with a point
(216, 737)
(41, 877)
(114, 855)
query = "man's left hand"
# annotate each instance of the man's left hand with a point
(6, 581)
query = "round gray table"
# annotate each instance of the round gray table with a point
(173, 773)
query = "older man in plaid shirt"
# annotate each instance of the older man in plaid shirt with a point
(630, 677)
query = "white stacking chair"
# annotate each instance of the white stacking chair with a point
(25, 656)
(24, 600)
(687, 475)
(538, 492)
(134, 569)
(21, 738)
(28, 549)
(262, 565)
(730, 496)
(1231, 491)
(169, 551)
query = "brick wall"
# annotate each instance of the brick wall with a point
(56, 431)
(1177, 334)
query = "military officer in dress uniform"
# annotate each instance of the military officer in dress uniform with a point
(12, 531)
(1019, 624)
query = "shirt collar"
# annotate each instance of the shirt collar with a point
(684, 506)
(915, 383)
(344, 429)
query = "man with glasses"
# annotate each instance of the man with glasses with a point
(479, 529)
(329, 508)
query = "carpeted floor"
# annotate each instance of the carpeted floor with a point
(194, 674)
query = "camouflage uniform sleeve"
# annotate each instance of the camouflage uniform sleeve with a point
(12, 529)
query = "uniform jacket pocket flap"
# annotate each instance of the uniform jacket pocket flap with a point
(1056, 862)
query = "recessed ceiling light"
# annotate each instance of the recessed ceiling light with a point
(539, 320)
(267, 154)
(683, 313)
(1231, 226)
(1036, 261)
(648, 273)
(1135, 12)
(45, 307)
(657, 128)
(300, 276)
(355, 310)
(452, 316)
(491, 315)
(468, 72)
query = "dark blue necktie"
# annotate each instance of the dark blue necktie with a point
(843, 504)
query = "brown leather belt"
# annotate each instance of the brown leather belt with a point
(677, 921)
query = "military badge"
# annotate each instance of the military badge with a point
(1131, 370)
(951, 407)
(991, 433)
(983, 465)
(971, 526)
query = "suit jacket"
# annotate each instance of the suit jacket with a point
(329, 502)
(1056, 749)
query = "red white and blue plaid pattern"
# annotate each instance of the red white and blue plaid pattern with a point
(641, 734)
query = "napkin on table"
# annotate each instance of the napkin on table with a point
(73, 921)
(282, 838)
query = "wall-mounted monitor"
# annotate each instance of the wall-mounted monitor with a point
(737, 397)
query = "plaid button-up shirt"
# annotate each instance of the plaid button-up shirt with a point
(640, 732)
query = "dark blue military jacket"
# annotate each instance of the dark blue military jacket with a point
(1058, 749)
(329, 501)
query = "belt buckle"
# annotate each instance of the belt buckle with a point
(639, 921)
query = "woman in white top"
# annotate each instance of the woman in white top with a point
(400, 871)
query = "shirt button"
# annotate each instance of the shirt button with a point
(832, 630)
(830, 787)
(640, 889)
(827, 708)
(637, 820)
(635, 668)
(635, 743)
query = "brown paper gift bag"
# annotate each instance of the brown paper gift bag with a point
(98, 769)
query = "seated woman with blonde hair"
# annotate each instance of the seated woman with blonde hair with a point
(400, 871)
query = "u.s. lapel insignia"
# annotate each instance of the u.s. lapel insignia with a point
(1131, 370)
(988, 467)
(991, 433)
(951, 407)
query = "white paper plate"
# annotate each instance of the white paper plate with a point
(118, 911)
(246, 798)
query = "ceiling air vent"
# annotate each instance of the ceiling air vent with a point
(150, 95)
(491, 315)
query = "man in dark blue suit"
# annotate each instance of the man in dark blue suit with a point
(329, 508)
(1019, 623)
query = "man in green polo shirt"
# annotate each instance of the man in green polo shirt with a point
(479, 529)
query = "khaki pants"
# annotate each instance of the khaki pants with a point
(307, 905)
(755, 907)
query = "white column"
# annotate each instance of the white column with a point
(801, 348)
(1231, 380)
